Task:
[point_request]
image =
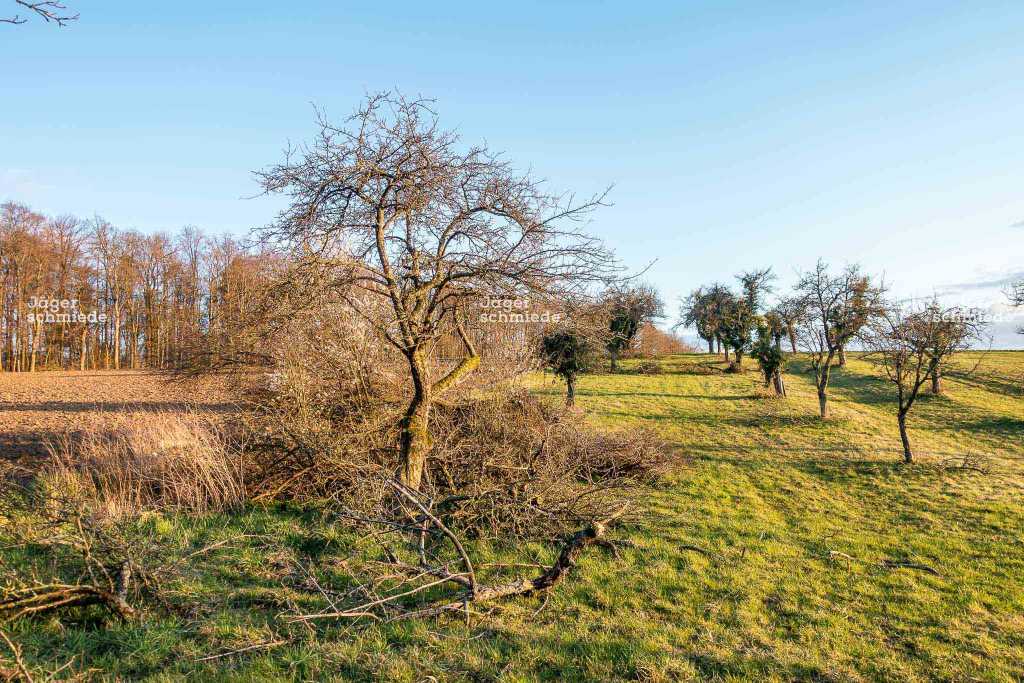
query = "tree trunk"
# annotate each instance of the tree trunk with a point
(570, 391)
(725, 347)
(823, 404)
(711, 346)
(780, 386)
(842, 356)
(901, 418)
(415, 437)
(117, 334)
(81, 359)
(614, 357)
(936, 381)
(792, 338)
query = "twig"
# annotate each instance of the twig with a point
(250, 648)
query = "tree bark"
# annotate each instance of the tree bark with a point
(415, 437)
(908, 456)
(842, 356)
(614, 358)
(570, 391)
(711, 346)
(936, 381)
(780, 386)
(792, 338)
(823, 404)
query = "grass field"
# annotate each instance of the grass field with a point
(761, 558)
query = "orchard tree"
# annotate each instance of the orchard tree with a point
(767, 349)
(835, 308)
(741, 313)
(568, 353)
(952, 330)
(630, 307)
(791, 313)
(910, 344)
(699, 311)
(391, 209)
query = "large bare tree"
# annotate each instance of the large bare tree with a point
(392, 210)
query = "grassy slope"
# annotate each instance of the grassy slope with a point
(769, 491)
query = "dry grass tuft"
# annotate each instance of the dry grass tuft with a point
(143, 461)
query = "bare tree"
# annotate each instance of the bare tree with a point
(390, 207)
(791, 313)
(910, 345)
(835, 308)
(49, 10)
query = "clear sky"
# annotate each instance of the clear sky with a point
(737, 135)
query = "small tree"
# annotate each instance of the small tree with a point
(741, 313)
(907, 345)
(791, 313)
(628, 309)
(953, 329)
(1016, 296)
(568, 353)
(835, 308)
(698, 311)
(768, 352)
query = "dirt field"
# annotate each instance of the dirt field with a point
(35, 407)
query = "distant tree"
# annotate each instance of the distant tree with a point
(791, 312)
(767, 349)
(909, 345)
(49, 10)
(741, 313)
(835, 308)
(700, 311)
(1016, 296)
(951, 330)
(629, 308)
(568, 353)
(775, 327)
(719, 298)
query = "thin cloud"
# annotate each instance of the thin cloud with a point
(1000, 282)
(1018, 224)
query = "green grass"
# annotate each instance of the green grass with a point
(794, 515)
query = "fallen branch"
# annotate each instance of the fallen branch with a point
(250, 648)
(479, 593)
(48, 597)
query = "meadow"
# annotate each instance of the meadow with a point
(778, 548)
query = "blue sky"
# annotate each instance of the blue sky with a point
(737, 135)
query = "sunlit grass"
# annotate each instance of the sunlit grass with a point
(792, 517)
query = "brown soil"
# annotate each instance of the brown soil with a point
(37, 407)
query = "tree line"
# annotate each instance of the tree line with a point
(84, 294)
